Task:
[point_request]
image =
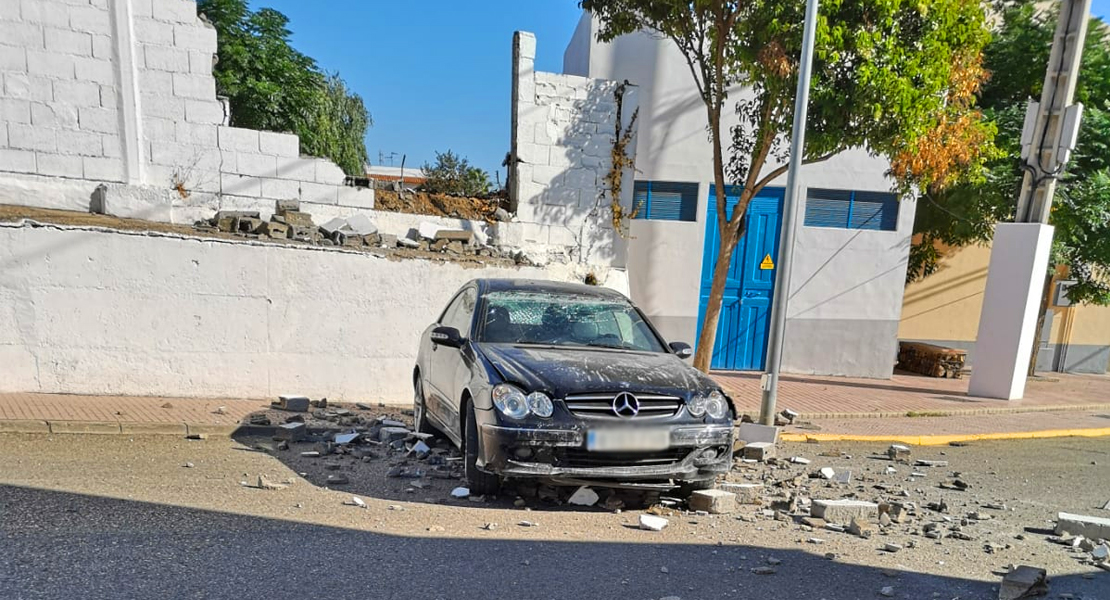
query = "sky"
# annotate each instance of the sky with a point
(436, 74)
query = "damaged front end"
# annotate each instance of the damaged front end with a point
(686, 453)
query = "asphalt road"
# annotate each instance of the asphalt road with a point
(119, 517)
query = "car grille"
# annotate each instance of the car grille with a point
(600, 406)
(581, 458)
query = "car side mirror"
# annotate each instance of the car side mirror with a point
(682, 349)
(447, 336)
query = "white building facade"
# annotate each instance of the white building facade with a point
(853, 234)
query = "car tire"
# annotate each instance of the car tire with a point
(420, 409)
(480, 482)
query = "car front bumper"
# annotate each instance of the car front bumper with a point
(696, 452)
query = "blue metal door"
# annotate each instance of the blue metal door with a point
(741, 342)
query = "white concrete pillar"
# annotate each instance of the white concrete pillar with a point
(127, 91)
(524, 95)
(1011, 303)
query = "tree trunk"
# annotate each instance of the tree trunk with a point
(708, 336)
(704, 351)
(1040, 321)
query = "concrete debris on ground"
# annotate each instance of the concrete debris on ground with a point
(752, 433)
(759, 451)
(1023, 582)
(583, 496)
(653, 523)
(898, 452)
(714, 502)
(866, 502)
(843, 511)
(1086, 526)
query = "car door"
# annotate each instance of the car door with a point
(450, 367)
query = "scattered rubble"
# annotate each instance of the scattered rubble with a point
(653, 523)
(1090, 527)
(753, 433)
(760, 451)
(583, 496)
(843, 511)
(289, 224)
(898, 452)
(714, 502)
(1023, 582)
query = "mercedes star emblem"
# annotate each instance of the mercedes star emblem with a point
(626, 405)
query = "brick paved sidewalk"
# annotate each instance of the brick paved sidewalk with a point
(65, 413)
(840, 397)
(834, 405)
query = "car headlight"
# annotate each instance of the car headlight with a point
(696, 405)
(510, 401)
(716, 405)
(540, 404)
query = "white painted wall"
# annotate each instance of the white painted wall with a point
(98, 312)
(121, 91)
(840, 275)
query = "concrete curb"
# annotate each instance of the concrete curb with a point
(942, 439)
(24, 426)
(115, 428)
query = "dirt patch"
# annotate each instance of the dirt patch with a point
(11, 213)
(70, 218)
(440, 205)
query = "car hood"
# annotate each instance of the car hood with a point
(559, 370)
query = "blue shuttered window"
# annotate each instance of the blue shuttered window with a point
(665, 201)
(845, 209)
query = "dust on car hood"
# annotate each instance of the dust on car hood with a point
(560, 370)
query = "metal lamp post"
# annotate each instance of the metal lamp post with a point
(770, 380)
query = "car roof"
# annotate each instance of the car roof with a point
(544, 286)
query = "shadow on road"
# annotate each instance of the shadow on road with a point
(75, 545)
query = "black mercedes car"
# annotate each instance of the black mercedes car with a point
(568, 383)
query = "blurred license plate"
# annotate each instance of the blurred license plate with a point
(627, 439)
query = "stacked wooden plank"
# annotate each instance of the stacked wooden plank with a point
(931, 360)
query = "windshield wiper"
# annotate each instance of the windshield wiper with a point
(609, 346)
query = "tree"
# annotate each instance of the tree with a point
(337, 127)
(886, 76)
(965, 214)
(453, 175)
(274, 87)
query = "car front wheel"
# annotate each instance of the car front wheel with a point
(480, 482)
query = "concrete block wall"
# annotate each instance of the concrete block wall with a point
(563, 136)
(58, 90)
(122, 91)
(108, 312)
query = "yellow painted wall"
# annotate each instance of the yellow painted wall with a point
(945, 306)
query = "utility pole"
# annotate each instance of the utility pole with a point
(770, 380)
(1020, 251)
(1051, 125)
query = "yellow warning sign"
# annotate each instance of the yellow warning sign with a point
(767, 263)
